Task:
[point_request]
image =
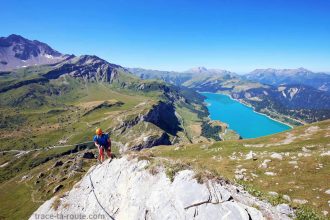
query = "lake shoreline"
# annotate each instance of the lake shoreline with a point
(250, 106)
(253, 124)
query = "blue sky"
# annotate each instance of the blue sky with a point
(237, 35)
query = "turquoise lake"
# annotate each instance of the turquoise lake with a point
(241, 118)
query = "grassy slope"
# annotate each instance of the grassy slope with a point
(20, 198)
(309, 180)
(35, 125)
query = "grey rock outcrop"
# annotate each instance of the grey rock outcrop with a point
(285, 209)
(124, 189)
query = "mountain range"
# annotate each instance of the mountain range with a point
(307, 100)
(179, 78)
(276, 77)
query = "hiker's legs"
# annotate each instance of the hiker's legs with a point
(101, 154)
(108, 152)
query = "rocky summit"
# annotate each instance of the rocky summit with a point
(127, 189)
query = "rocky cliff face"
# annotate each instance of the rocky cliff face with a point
(147, 126)
(125, 189)
(17, 52)
(90, 68)
(163, 114)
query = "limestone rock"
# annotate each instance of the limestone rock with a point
(250, 155)
(273, 193)
(276, 156)
(287, 198)
(264, 164)
(285, 209)
(293, 162)
(326, 153)
(124, 189)
(300, 201)
(270, 173)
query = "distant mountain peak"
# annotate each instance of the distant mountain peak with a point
(281, 71)
(204, 70)
(91, 60)
(302, 69)
(17, 52)
(15, 37)
(199, 69)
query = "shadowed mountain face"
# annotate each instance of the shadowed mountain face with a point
(17, 52)
(320, 81)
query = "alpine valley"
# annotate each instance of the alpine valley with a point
(172, 160)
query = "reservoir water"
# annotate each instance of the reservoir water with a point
(241, 118)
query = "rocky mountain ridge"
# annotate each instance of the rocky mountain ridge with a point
(89, 68)
(17, 52)
(86, 67)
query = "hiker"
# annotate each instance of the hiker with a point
(103, 143)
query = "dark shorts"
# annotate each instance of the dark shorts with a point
(104, 147)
